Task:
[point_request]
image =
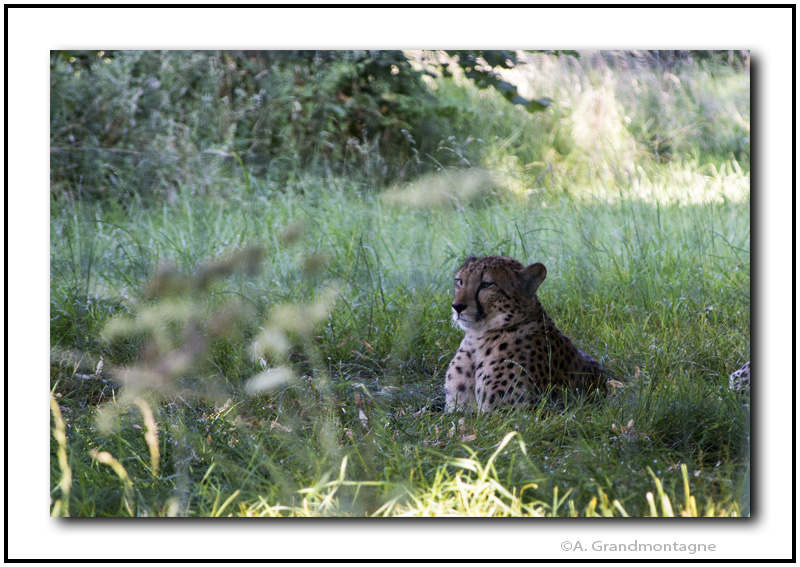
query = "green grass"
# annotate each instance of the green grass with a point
(648, 270)
(659, 293)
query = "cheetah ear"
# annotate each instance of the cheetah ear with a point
(532, 277)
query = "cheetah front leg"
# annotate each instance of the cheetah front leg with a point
(460, 383)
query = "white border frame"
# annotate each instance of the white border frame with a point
(32, 32)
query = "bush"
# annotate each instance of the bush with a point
(150, 126)
(135, 125)
(140, 124)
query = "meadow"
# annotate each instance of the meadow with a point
(237, 337)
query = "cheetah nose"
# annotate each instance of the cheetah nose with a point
(459, 307)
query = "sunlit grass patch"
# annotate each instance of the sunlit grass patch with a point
(676, 183)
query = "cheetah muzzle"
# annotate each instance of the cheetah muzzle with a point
(512, 351)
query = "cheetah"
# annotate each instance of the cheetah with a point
(740, 379)
(512, 351)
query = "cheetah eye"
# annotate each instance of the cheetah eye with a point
(484, 285)
(458, 282)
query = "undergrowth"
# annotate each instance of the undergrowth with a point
(256, 345)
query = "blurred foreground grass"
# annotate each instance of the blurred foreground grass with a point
(281, 342)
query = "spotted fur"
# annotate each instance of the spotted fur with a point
(512, 351)
(740, 379)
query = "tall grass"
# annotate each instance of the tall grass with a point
(648, 269)
(661, 298)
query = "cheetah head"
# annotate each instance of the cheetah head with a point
(494, 292)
